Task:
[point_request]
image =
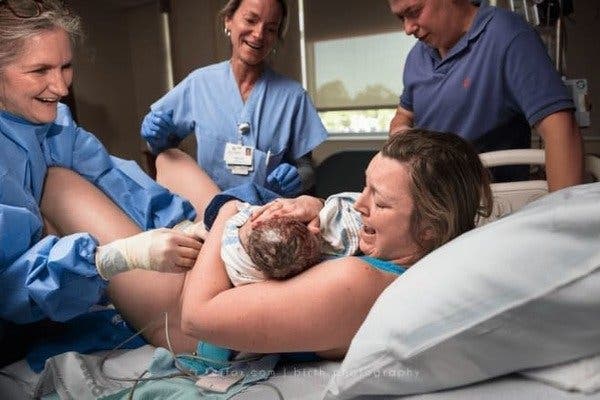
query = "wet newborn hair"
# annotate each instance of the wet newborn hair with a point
(283, 247)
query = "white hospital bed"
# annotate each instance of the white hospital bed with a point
(308, 380)
(510, 196)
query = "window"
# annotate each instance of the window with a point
(353, 64)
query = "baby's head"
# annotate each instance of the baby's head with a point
(282, 247)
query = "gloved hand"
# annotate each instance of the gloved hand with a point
(196, 230)
(284, 180)
(164, 250)
(158, 130)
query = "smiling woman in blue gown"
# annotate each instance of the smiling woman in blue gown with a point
(47, 270)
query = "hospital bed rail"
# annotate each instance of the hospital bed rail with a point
(510, 196)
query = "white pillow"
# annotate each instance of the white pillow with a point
(521, 292)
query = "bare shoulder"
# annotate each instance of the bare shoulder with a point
(351, 273)
(318, 310)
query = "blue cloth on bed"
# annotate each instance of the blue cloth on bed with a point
(163, 365)
(249, 193)
(98, 330)
(208, 358)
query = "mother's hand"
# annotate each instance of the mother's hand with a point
(304, 209)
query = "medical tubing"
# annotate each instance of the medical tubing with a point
(118, 347)
(183, 371)
(131, 392)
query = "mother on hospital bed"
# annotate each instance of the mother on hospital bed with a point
(422, 190)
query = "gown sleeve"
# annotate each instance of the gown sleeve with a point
(141, 198)
(178, 102)
(55, 278)
(308, 130)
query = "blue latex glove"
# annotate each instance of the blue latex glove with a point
(158, 130)
(284, 180)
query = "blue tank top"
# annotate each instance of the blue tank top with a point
(382, 265)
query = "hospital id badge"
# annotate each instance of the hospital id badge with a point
(238, 154)
(239, 169)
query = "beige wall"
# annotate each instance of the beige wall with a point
(120, 70)
(103, 82)
(147, 59)
(194, 37)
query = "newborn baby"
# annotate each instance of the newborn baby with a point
(281, 248)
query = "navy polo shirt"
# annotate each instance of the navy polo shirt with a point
(495, 83)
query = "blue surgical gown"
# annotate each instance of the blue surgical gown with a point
(283, 123)
(47, 276)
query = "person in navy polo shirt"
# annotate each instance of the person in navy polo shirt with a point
(484, 73)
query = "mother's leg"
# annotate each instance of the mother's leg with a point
(180, 173)
(72, 204)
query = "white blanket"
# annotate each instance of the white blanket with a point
(304, 381)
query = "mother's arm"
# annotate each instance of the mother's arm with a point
(318, 310)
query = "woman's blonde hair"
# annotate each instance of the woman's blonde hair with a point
(449, 185)
(14, 30)
(232, 5)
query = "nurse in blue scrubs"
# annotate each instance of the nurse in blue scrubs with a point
(251, 124)
(47, 270)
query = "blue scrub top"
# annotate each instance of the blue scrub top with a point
(494, 84)
(47, 276)
(283, 123)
